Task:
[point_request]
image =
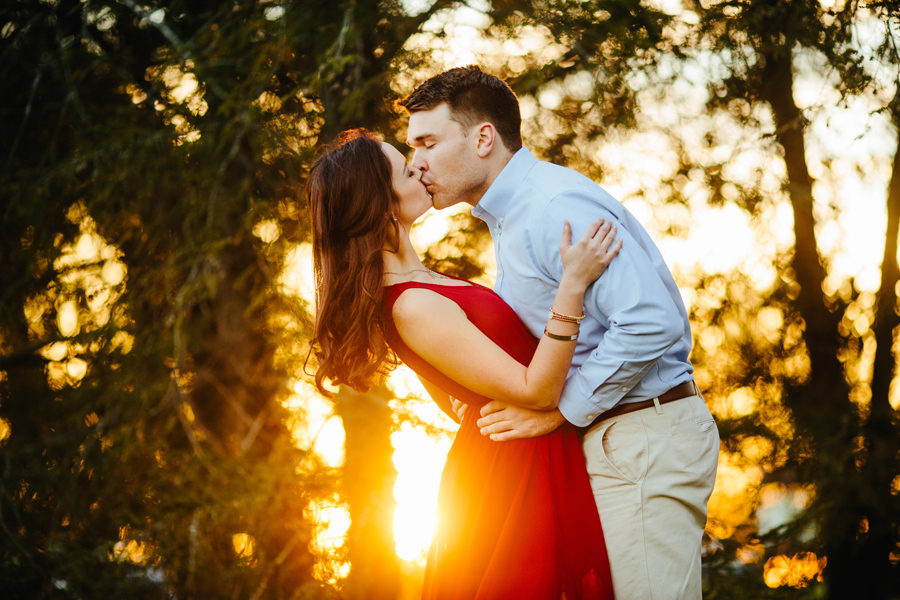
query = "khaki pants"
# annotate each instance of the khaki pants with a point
(652, 472)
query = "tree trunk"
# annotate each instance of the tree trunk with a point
(820, 406)
(368, 483)
(880, 429)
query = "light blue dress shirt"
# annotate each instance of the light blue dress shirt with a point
(635, 341)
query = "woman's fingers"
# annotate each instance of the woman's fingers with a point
(600, 236)
(606, 239)
(593, 251)
(601, 244)
(593, 229)
(609, 254)
(608, 246)
(566, 242)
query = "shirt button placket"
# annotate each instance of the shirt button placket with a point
(497, 255)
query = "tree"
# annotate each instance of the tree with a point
(362, 54)
(796, 347)
(145, 450)
(153, 166)
(154, 159)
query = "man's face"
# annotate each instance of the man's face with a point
(451, 169)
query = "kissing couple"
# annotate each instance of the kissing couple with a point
(585, 455)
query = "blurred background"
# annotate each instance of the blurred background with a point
(159, 434)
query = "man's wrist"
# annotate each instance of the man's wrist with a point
(558, 417)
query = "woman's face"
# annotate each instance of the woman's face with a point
(407, 183)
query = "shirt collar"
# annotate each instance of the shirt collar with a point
(495, 201)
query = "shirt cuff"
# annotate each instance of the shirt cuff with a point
(581, 404)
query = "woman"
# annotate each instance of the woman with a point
(516, 519)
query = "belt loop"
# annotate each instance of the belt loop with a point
(658, 407)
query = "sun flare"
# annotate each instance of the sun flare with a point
(419, 459)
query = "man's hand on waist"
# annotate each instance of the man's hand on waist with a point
(502, 422)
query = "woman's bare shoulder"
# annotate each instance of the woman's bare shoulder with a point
(421, 305)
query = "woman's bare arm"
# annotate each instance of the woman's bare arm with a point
(437, 329)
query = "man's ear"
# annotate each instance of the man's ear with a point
(486, 138)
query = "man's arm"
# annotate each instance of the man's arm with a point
(503, 422)
(642, 324)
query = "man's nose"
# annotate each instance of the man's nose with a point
(417, 163)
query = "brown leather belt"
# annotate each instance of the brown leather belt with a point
(682, 390)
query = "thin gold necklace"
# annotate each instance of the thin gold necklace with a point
(430, 273)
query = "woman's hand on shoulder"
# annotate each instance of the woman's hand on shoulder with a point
(587, 259)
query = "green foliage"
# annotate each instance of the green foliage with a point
(152, 438)
(152, 161)
(816, 421)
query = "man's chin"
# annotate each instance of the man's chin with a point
(440, 203)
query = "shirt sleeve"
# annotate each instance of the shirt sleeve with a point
(630, 300)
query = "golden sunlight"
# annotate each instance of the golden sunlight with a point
(734, 496)
(461, 39)
(244, 545)
(432, 228)
(317, 427)
(333, 521)
(297, 277)
(419, 459)
(4, 429)
(67, 319)
(129, 550)
(91, 277)
(796, 571)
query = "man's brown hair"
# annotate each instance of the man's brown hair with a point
(474, 97)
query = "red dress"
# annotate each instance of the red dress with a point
(516, 519)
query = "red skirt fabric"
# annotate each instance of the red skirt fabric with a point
(516, 519)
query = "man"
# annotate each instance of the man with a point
(651, 445)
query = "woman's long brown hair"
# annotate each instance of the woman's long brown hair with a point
(350, 201)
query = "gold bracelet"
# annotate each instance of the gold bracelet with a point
(561, 338)
(566, 318)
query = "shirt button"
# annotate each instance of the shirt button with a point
(591, 417)
(625, 389)
(500, 220)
